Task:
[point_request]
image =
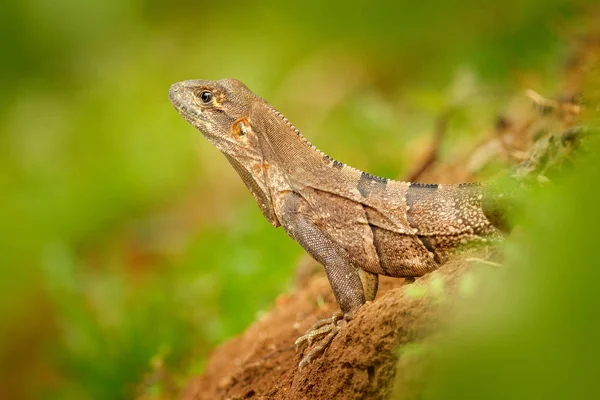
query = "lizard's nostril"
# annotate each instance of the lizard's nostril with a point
(175, 91)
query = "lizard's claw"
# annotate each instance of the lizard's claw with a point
(319, 328)
(328, 327)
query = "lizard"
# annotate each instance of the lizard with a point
(357, 225)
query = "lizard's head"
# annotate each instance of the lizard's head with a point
(221, 110)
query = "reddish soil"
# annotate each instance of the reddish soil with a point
(362, 359)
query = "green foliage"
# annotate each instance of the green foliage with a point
(536, 336)
(128, 247)
(532, 333)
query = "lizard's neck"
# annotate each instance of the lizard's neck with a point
(294, 163)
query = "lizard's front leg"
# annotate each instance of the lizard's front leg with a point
(351, 286)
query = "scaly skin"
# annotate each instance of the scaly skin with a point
(357, 225)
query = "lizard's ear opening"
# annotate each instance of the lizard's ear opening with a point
(240, 127)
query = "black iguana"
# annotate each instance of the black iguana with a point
(357, 225)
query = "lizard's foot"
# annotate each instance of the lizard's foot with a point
(323, 331)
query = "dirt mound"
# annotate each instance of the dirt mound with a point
(361, 361)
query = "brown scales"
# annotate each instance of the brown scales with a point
(357, 225)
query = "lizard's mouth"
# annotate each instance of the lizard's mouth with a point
(177, 97)
(176, 94)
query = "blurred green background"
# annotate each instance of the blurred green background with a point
(128, 246)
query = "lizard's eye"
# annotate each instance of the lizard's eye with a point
(206, 97)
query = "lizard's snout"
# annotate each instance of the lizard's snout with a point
(175, 90)
(179, 96)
